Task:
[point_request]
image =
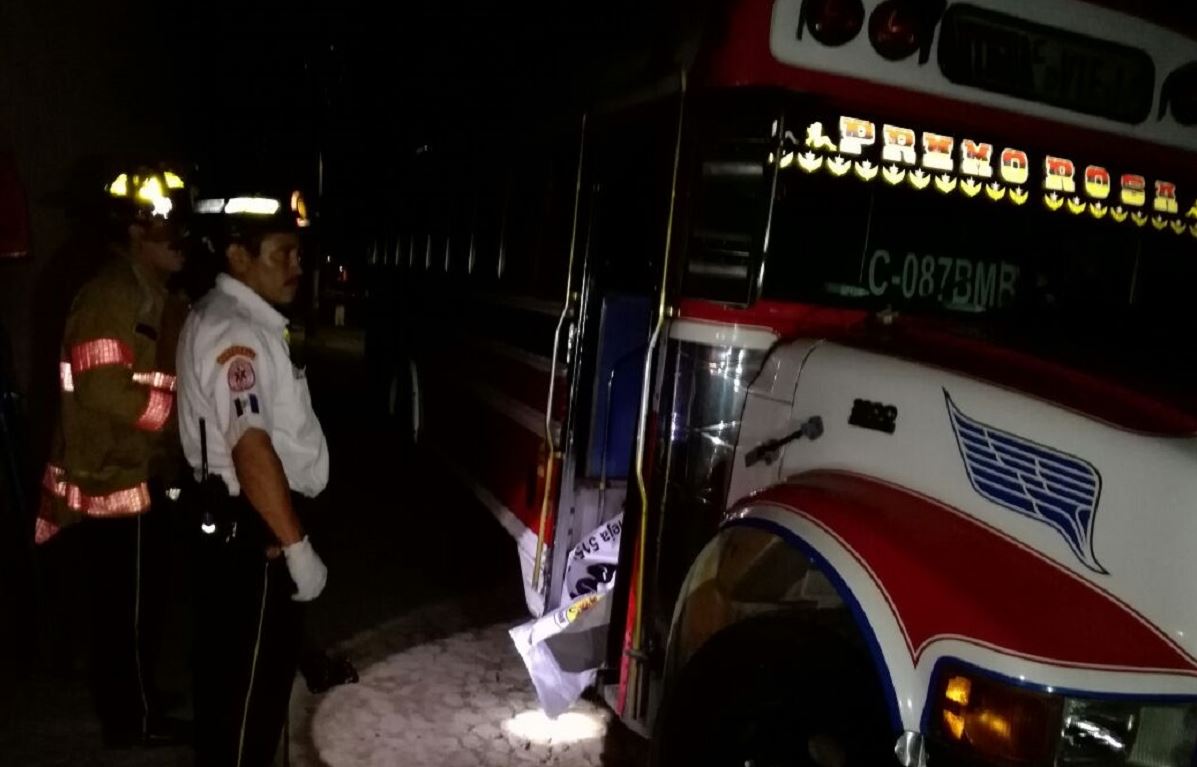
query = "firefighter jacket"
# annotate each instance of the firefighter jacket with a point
(116, 416)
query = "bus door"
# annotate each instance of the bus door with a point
(620, 240)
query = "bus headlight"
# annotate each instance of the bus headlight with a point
(1118, 733)
(990, 721)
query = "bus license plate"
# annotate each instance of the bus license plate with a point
(953, 282)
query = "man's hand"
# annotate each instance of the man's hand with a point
(307, 570)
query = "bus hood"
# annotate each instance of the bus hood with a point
(1100, 502)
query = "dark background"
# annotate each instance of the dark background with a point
(251, 90)
(266, 87)
(236, 92)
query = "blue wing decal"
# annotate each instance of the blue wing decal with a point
(1037, 481)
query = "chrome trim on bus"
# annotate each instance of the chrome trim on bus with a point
(636, 655)
(775, 154)
(566, 305)
(722, 334)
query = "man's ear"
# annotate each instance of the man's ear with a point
(238, 258)
(136, 232)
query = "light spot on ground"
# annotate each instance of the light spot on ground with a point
(570, 727)
(463, 700)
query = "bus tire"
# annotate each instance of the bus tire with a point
(774, 691)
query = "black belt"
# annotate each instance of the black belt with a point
(237, 523)
(231, 519)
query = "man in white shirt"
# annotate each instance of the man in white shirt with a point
(245, 415)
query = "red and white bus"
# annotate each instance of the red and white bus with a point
(874, 322)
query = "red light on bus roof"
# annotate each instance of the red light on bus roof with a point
(894, 30)
(898, 28)
(831, 22)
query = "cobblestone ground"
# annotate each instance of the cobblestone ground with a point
(464, 699)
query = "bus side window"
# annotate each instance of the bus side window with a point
(732, 178)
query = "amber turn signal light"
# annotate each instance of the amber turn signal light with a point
(996, 720)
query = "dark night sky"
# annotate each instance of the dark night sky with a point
(236, 80)
(258, 86)
(276, 76)
(379, 77)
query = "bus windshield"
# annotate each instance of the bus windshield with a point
(1056, 274)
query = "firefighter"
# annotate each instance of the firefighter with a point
(112, 446)
(249, 431)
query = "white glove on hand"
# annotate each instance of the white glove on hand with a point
(307, 570)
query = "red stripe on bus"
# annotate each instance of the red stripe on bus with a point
(947, 575)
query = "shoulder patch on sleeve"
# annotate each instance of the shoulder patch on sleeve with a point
(235, 351)
(241, 375)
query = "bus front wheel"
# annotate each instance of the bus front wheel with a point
(773, 692)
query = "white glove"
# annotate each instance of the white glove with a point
(307, 570)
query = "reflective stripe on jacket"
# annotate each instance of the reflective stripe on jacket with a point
(117, 401)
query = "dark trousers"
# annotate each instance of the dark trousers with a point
(247, 649)
(127, 585)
